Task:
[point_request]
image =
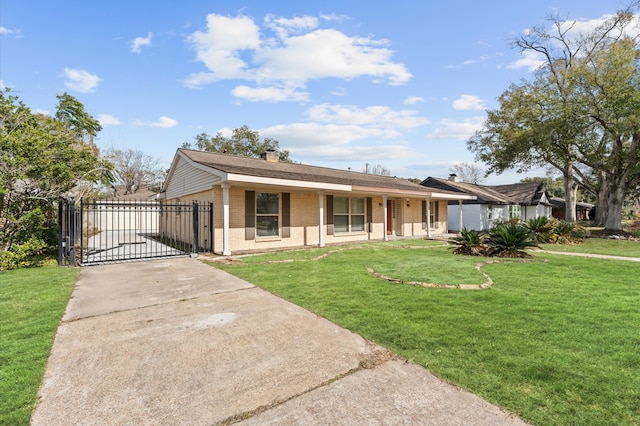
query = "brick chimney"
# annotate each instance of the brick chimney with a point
(271, 156)
(453, 177)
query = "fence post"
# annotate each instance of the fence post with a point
(194, 247)
(72, 232)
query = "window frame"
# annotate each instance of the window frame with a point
(349, 214)
(276, 216)
(514, 208)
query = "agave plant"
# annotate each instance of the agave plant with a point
(510, 240)
(542, 228)
(470, 242)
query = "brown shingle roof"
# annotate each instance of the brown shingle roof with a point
(525, 193)
(293, 171)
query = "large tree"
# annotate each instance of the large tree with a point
(577, 115)
(135, 170)
(41, 159)
(243, 142)
(468, 172)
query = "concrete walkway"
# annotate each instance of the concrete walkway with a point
(175, 341)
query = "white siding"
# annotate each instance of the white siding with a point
(187, 179)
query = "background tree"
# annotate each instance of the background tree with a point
(135, 170)
(468, 172)
(577, 115)
(243, 142)
(376, 170)
(41, 159)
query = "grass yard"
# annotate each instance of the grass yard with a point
(32, 301)
(611, 247)
(555, 340)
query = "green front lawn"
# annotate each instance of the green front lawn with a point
(599, 246)
(555, 340)
(32, 301)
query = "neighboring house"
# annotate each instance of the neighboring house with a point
(492, 204)
(583, 210)
(263, 204)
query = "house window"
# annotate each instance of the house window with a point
(348, 214)
(267, 214)
(514, 212)
(489, 212)
(433, 214)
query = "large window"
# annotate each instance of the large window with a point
(348, 214)
(267, 214)
(514, 211)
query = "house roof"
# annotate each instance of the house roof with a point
(239, 168)
(484, 194)
(525, 193)
(560, 202)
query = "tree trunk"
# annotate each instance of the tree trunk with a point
(570, 194)
(602, 207)
(617, 192)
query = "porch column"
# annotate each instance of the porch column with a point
(384, 221)
(428, 217)
(460, 219)
(226, 250)
(321, 219)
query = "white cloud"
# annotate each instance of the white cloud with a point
(163, 122)
(269, 94)
(139, 42)
(81, 80)
(530, 60)
(460, 130)
(5, 31)
(372, 116)
(314, 134)
(412, 100)
(468, 102)
(235, 48)
(108, 120)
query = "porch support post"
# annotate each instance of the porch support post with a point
(461, 225)
(321, 219)
(428, 217)
(385, 215)
(226, 250)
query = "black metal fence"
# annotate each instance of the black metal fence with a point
(98, 231)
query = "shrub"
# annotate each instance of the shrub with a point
(510, 240)
(542, 229)
(22, 255)
(470, 242)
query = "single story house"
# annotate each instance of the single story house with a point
(491, 204)
(262, 204)
(583, 210)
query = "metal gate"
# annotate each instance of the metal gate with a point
(99, 231)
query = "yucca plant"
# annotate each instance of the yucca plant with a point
(510, 240)
(470, 242)
(542, 229)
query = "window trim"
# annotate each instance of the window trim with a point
(349, 215)
(276, 215)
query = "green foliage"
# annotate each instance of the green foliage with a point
(556, 231)
(510, 240)
(243, 142)
(542, 229)
(470, 242)
(23, 255)
(43, 158)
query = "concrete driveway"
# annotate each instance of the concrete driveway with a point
(175, 341)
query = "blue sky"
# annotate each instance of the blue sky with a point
(402, 84)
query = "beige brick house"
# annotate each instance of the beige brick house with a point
(263, 204)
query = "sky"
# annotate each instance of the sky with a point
(402, 84)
